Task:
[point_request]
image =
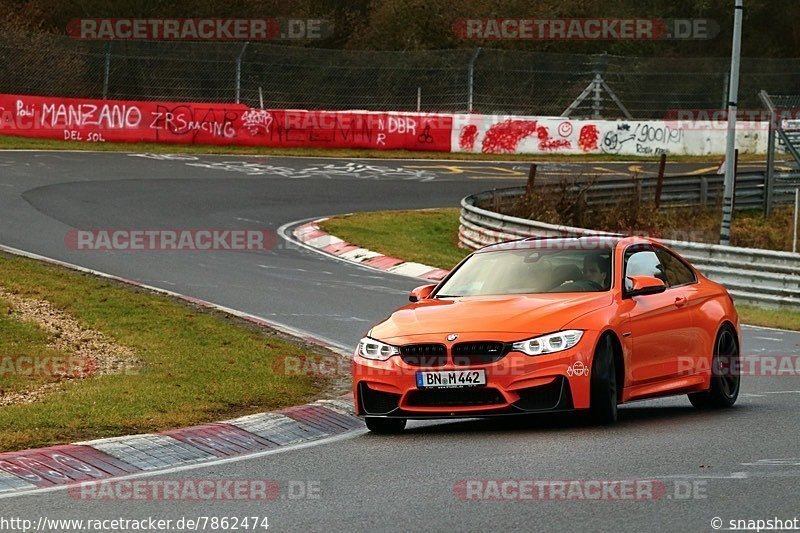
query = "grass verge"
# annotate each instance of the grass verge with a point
(20, 342)
(195, 365)
(431, 237)
(771, 318)
(428, 236)
(23, 143)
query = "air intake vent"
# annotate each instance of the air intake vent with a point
(467, 396)
(479, 352)
(425, 355)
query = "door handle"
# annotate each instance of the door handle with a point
(680, 301)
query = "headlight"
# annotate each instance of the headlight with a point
(554, 342)
(379, 351)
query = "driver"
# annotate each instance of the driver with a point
(594, 269)
(593, 278)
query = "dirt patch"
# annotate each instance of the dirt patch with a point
(67, 336)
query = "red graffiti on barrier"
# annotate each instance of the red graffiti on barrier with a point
(220, 124)
(546, 143)
(503, 137)
(469, 134)
(587, 141)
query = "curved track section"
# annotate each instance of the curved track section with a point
(739, 464)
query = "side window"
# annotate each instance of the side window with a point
(677, 272)
(642, 262)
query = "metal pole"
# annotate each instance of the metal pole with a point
(239, 71)
(726, 80)
(796, 208)
(769, 176)
(597, 104)
(471, 78)
(419, 98)
(260, 97)
(733, 94)
(735, 173)
(662, 165)
(106, 70)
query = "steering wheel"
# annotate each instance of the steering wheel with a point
(580, 285)
(594, 285)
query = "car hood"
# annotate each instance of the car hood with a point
(528, 314)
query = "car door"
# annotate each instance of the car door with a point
(659, 326)
(682, 281)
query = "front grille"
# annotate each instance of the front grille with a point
(376, 402)
(550, 396)
(465, 397)
(479, 353)
(424, 354)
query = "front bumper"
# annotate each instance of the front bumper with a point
(516, 384)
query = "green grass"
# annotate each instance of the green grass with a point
(198, 366)
(431, 237)
(21, 342)
(23, 143)
(427, 236)
(773, 318)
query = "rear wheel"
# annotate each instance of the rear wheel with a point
(385, 425)
(603, 385)
(724, 373)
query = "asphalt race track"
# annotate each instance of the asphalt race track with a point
(742, 463)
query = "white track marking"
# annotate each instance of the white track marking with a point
(285, 235)
(207, 464)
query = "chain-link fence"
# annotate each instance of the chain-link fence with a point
(480, 80)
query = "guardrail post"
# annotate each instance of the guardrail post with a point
(703, 191)
(662, 165)
(796, 208)
(531, 179)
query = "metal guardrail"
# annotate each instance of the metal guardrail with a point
(705, 189)
(761, 277)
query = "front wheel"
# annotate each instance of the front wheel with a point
(603, 385)
(385, 425)
(724, 374)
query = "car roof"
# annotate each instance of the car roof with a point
(577, 242)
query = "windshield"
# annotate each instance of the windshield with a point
(530, 272)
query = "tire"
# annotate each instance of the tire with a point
(385, 426)
(603, 385)
(725, 378)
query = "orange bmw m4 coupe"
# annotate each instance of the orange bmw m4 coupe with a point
(551, 324)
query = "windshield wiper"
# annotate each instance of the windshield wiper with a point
(448, 296)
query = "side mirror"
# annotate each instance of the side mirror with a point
(643, 285)
(421, 292)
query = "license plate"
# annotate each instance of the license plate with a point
(451, 378)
